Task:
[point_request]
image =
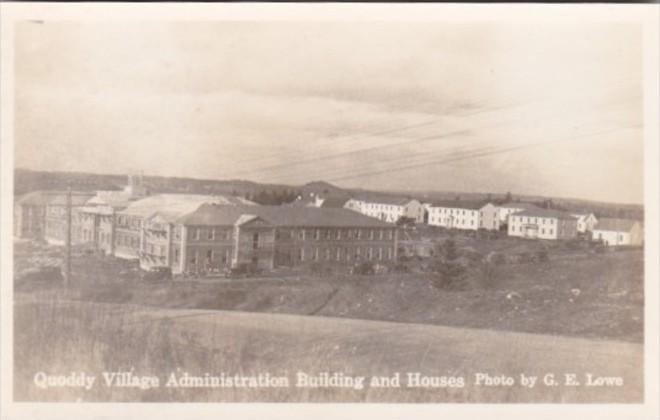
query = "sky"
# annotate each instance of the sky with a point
(550, 109)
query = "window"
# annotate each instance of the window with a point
(370, 253)
(209, 255)
(380, 234)
(338, 234)
(211, 234)
(389, 253)
(317, 234)
(371, 234)
(195, 233)
(301, 235)
(380, 253)
(316, 254)
(338, 254)
(327, 254)
(176, 255)
(301, 254)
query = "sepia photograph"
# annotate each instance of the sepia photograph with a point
(247, 205)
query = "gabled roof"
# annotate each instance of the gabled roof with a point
(78, 198)
(615, 225)
(334, 202)
(35, 198)
(547, 213)
(173, 206)
(218, 215)
(53, 197)
(384, 199)
(246, 218)
(460, 204)
(114, 199)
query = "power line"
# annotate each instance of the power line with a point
(360, 136)
(472, 155)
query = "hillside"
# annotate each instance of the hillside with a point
(28, 180)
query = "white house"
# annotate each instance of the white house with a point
(511, 207)
(455, 214)
(585, 222)
(388, 209)
(489, 217)
(542, 224)
(613, 232)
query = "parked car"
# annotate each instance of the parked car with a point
(157, 275)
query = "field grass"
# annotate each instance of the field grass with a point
(576, 293)
(60, 337)
(584, 311)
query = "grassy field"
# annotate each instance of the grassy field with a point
(61, 337)
(576, 293)
(578, 311)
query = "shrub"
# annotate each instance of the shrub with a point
(489, 274)
(542, 255)
(400, 267)
(526, 257)
(498, 259)
(450, 273)
(364, 268)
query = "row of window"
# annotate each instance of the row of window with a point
(128, 241)
(129, 221)
(530, 219)
(444, 210)
(302, 234)
(212, 257)
(209, 234)
(449, 221)
(521, 229)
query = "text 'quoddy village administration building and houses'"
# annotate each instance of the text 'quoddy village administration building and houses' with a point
(192, 233)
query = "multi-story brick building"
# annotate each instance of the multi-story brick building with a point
(56, 219)
(30, 214)
(144, 229)
(215, 237)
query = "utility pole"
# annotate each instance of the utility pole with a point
(67, 256)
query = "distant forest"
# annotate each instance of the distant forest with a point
(277, 194)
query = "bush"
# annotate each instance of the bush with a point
(400, 267)
(450, 273)
(526, 257)
(320, 269)
(600, 249)
(498, 259)
(489, 274)
(542, 255)
(364, 268)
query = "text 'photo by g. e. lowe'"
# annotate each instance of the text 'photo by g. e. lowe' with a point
(329, 211)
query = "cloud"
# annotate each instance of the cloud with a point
(297, 101)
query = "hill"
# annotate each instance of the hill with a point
(28, 180)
